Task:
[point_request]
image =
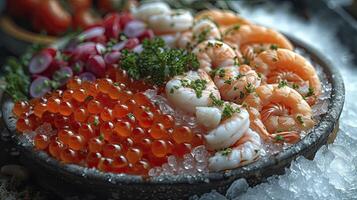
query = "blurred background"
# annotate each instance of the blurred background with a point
(24, 22)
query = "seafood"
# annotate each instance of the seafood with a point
(286, 66)
(249, 52)
(221, 17)
(279, 113)
(232, 123)
(212, 54)
(244, 151)
(191, 90)
(202, 30)
(172, 22)
(145, 11)
(238, 36)
(235, 83)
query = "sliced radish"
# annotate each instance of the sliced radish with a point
(87, 76)
(54, 66)
(96, 65)
(134, 28)
(40, 62)
(40, 86)
(112, 25)
(100, 48)
(147, 34)
(51, 51)
(91, 33)
(112, 57)
(62, 75)
(131, 43)
(84, 50)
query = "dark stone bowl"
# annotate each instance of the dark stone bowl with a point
(69, 180)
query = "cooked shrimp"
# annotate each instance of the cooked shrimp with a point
(235, 83)
(285, 66)
(202, 30)
(244, 151)
(249, 52)
(174, 21)
(278, 112)
(191, 90)
(212, 54)
(238, 36)
(221, 17)
(232, 123)
(146, 10)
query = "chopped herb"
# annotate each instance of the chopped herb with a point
(197, 85)
(279, 138)
(228, 81)
(282, 83)
(172, 90)
(235, 88)
(274, 47)
(249, 88)
(203, 35)
(228, 111)
(236, 61)
(300, 120)
(233, 28)
(215, 101)
(116, 84)
(131, 116)
(311, 92)
(156, 63)
(239, 76)
(96, 121)
(101, 137)
(259, 75)
(226, 151)
(241, 95)
(295, 86)
(221, 73)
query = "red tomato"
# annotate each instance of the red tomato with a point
(55, 18)
(84, 19)
(78, 5)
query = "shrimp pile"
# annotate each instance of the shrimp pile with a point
(251, 87)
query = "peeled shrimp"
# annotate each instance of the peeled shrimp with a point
(222, 17)
(235, 83)
(244, 151)
(238, 36)
(247, 53)
(174, 21)
(202, 30)
(285, 65)
(278, 113)
(182, 96)
(146, 10)
(227, 131)
(212, 54)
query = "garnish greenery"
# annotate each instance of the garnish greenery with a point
(311, 92)
(274, 47)
(156, 63)
(282, 83)
(300, 120)
(226, 151)
(197, 85)
(279, 138)
(203, 35)
(249, 88)
(17, 76)
(228, 111)
(215, 101)
(233, 28)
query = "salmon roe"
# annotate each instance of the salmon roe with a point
(107, 125)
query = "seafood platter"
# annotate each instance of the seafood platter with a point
(162, 103)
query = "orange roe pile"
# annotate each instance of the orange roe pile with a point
(105, 125)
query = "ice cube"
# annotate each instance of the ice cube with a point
(238, 187)
(213, 196)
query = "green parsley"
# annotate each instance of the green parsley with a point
(203, 35)
(233, 28)
(215, 101)
(197, 85)
(282, 83)
(226, 151)
(311, 92)
(96, 121)
(228, 81)
(101, 137)
(279, 138)
(274, 47)
(295, 86)
(157, 63)
(300, 120)
(249, 88)
(228, 111)
(241, 95)
(131, 116)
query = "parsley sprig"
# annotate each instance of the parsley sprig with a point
(157, 63)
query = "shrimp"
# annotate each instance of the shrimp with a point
(146, 10)
(202, 30)
(278, 113)
(246, 150)
(249, 52)
(238, 36)
(235, 83)
(285, 66)
(174, 21)
(212, 54)
(191, 90)
(229, 123)
(221, 17)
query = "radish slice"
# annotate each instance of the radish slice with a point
(87, 76)
(40, 62)
(40, 87)
(96, 65)
(62, 75)
(112, 57)
(91, 33)
(119, 46)
(100, 48)
(134, 28)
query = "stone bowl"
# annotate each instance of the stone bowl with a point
(70, 180)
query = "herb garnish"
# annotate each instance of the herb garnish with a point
(274, 47)
(249, 88)
(197, 85)
(226, 151)
(233, 28)
(228, 111)
(311, 92)
(282, 83)
(300, 120)
(215, 101)
(156, 63)
(279, 138)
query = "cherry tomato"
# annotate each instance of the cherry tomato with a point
(55, 18)
(85, 19)
(78, 5)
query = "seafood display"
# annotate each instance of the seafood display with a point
(162, 91)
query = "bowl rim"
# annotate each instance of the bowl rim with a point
(318, 133)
